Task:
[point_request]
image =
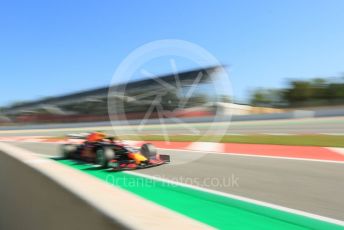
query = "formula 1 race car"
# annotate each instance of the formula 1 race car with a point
(108, 152)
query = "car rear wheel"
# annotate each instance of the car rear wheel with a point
(103, 156)
(149, 151)
(67, 150)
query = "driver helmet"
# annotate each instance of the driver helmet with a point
(96, 136)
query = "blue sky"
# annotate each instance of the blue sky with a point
(54, 47)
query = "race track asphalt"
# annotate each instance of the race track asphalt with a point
(315, 187)
(329, 125)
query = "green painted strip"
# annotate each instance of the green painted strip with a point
(214, 210)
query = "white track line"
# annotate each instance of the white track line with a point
(337, 150)
(206, 147)
(259, 156)
(44, 155)
(241, 198)
(332, 134)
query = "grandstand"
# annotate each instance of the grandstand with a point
(92, 105)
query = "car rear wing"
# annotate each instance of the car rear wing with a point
(78, 135)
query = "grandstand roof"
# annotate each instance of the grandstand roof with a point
(185, 78)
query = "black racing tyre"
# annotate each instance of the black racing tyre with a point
(149, 151)
(103, 156)
(67, 150)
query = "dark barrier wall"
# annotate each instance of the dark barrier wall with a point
(31, 201)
